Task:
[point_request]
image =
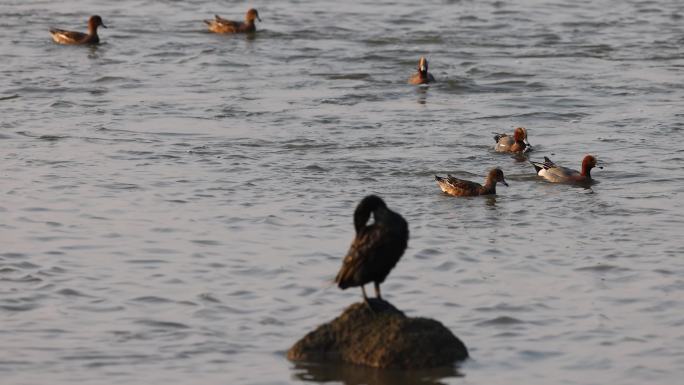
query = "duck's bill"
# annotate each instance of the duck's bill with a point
(258, 18)
(505, 183)
(104, 26)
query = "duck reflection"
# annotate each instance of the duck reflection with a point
(358, 375)
(422, 94)
(92, 52)
(490, 201)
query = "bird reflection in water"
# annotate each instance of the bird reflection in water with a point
(358, 375)
(422, 94)
(92, 51)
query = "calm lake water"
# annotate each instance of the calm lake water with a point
(175, 203)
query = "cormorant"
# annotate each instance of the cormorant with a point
(376, 248)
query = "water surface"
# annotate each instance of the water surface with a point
(175, 203)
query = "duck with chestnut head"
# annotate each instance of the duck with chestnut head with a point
(422, 76)
(516, 143)
(559, 174)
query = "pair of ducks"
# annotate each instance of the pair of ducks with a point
(517, 143)
(218, 25)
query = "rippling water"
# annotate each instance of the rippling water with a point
(175, 203)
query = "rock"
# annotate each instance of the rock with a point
(382, 338)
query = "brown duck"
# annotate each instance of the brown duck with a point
(422, 76)
(376, 248)
(465, 188)
(221, 25)
(72, 37)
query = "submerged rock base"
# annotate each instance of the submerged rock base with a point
(382, 338)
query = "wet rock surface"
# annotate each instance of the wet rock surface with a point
(382, 338)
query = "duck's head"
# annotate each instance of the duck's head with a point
(369, 204)
(590, 162)
(252, 15)
(94, 22)
(423, 66)
(520, 135)
(497, 175)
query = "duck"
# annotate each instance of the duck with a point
(221, 25)
(61, 36)
(465, 188)
(422, 76)
(376, 247)
(559, 174)
(516, 143)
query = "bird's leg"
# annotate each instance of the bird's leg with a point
(365, 297)
(377, 290)
(366, 300)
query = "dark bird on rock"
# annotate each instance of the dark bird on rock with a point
(377, 247)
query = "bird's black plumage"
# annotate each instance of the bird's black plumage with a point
(376, 248)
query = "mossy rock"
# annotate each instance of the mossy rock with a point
(381, 338)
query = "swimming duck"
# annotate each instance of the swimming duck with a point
(72, 37)
(221, 25)
(464, 188)
(559, 174)
(376, 248)
(513, 143)
(422, 76)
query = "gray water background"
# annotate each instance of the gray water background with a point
(175, 203)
